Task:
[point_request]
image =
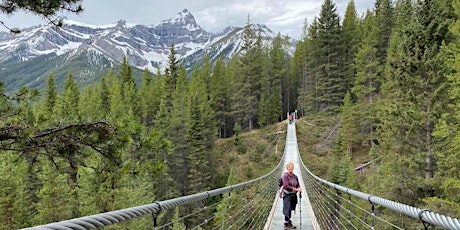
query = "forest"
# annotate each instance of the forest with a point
(391, 75)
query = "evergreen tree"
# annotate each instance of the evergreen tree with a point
(384, 22)
(331, 82)
(220, 97)
(247, 82)
(227, 206)
(198, 172)
(201, 130)
(68, 105)
(90, 100)
(104, 95)
(270, 107)
(128, 88)
(178, 224)
(51, 95)
(349, 128)
(177, 161)
(308, 51)
(415, 96)
(172, 70)
(168, 87)
(200, 86)
(367, 81)
(299, 69)
(350, 41)
(147, 99)
(54, 196)
(234, 75)
(16, 202)
(126, 74)
(447, 154)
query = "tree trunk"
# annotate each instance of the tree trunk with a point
(429, 150)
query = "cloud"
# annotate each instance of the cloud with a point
(281, 16)
(285, 16)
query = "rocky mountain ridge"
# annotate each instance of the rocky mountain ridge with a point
(88, 51)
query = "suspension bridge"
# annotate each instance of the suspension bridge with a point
(256, 204)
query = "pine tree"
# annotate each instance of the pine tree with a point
(201, 125)
(178, 224)
(147, 99)
(415, 96)
(220, 97)
(45, 10)
(227, 206)
(350, 41)
(104, 95)
(172, 70)
(177, 161)
(168, 87)
(299, 69)
(51, 95)
(128, 89)
(126, 74)
(68, 105)
(89, 100)
(54, 196)
(447, 154)
(349, 128)
(246, 82)
(276, 74)
(16, 202)
(384, 22)
(366, 86)
(198, 172)
(309, 51)
(331, 83)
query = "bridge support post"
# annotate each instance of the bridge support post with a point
(155, 215)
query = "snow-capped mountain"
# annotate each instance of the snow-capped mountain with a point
(87, 51)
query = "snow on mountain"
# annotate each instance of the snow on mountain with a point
(143, 46)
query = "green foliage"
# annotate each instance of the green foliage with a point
(69, 101)
(342, 172)
(270, 103)
(219, 94)
(447, 129)
(178, 225)
(121, 142)
(227, 206)
(54, 196)
(350, 41)
(349, 132)
(16, 205)
(415, 97)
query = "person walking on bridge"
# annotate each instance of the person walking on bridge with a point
(291, 186)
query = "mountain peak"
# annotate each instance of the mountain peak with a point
(121, 23)
(183, 18)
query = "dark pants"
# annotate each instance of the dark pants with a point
(289, 204)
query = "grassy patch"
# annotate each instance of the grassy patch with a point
(263, 149)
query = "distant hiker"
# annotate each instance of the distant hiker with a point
(290, 119)
(291, 186)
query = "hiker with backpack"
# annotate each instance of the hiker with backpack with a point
(291, 186)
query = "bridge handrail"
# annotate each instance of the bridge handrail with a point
(424, 215)
(117, 216)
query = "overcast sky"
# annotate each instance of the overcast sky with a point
(284, 16)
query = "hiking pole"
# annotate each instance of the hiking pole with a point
(300, 210)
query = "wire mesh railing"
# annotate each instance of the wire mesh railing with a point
(338, 207)
(246, 206)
